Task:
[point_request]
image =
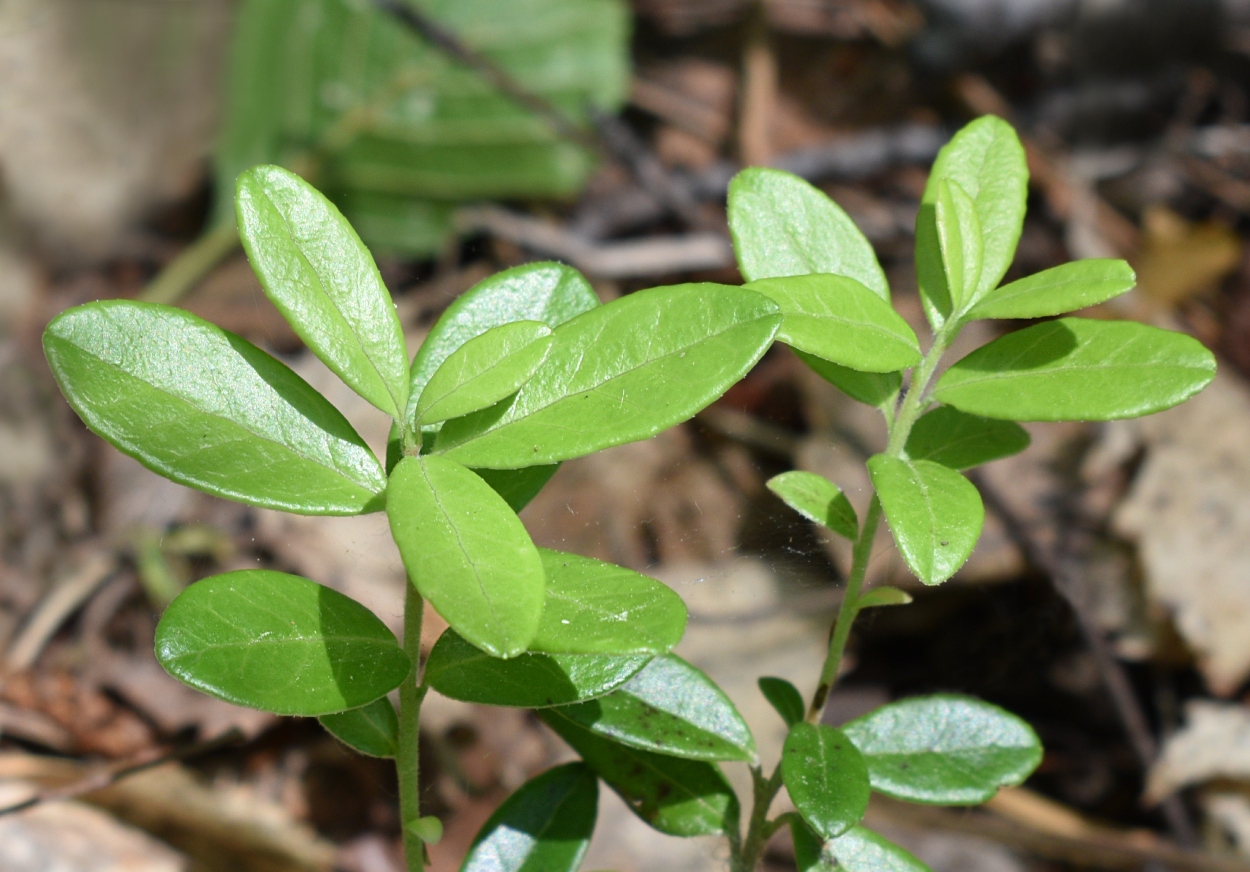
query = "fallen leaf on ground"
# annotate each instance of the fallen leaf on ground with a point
(1214, 743)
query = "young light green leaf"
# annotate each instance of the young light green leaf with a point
(372, 729)
(785, 699)
(826, 778)
(840, 320)
(959, 440)
(934, 512)
(808, 847)
(874, 388)
(817, 499)
(484, 370)
(675, 796)
(783, 226)
(944, 749)
(209, 410)
(535, 679)
(467, 553)
(518, 486)
(1063, 288)
(619, 373)
(592, 607)
(883, 596)
(859, 849)
(669, 707)
(959, 237)
(428, 829)
(323, 280)
(278, 643)
(545, 826)
(1075, 369)
(548, 292)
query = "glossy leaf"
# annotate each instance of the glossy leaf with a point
(944, 749)
(518, 486)
(467, 553)
(619, 373)
(484, 370)
(859, 849)
(826, 778)
(959, 236)
(785, 699)
(548, 292)
(320, 276)
(934, 512)
(883, 596)
(873, 388)
(675, 796)
(372, 729)
(1074, 369)
(669, 707)
(817, 499)
(458, 670)
(959, 440)
(592, 607)
(808, 847)
(840, 320)
(783, 226)
(279, 643)
(1063, 288)
(209, 410)
(545, 826)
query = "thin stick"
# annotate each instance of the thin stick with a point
(52, 611)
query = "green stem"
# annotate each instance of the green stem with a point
(192, 265)
(407, 764)
(760, 828)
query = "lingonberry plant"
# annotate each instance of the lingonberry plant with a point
(526, 370)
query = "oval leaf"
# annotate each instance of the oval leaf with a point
(592, 607)
(323, 280)
(545, 826)
(959, 440)
(484, 370)
(278, 643)
(669, 707)
(785, 699)
(209, 410)
(518, 486)
(675, 796)
(808, 847)
(372, 729)
(467, 553)
(874, 388)
(548, 292)
(817, 499)
(935, 513)
(944, 749)
(620, 373)
(840, 320)
(883, 596)
(959, 236)
(1075, 369)
(1063, 288)
(783, 226)
(859, 849)
(458, 670)
(825, 777)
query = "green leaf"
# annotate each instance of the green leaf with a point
(518, 486)
(669, 707)
(808, 847)
(458, 670)
(209, 410)
(484, 370)
(428, 829)
(874, 388)
(934, 512)
(620, 373)
(545, 826)
(883, 596)
(840, 320)
(548, 292)
(785, 699)
(467, 553)
(592, 607)
(959, 237)
(1074, 369)
(826, 778)
(675, 796)
(279, 643)
(944, 749)
(1063, 288)
(959, 440)
(859, 849)
(817, 499)
(323, 280)
(783, 226)
(372, 730)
